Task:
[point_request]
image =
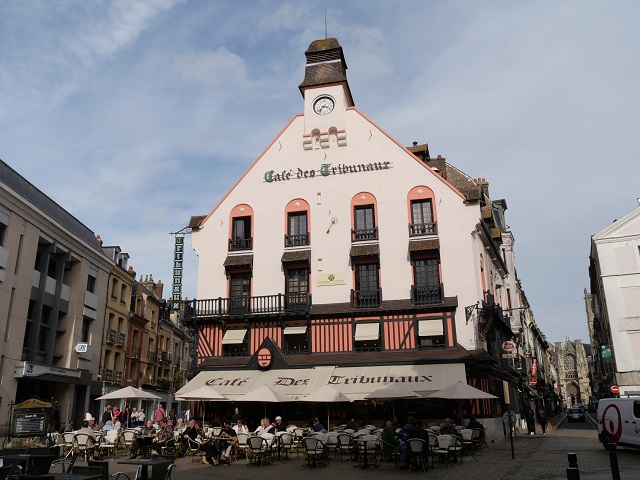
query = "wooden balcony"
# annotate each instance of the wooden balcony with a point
(282, 303)
(296, 240)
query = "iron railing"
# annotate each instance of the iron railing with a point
(240, 244)
(427, 295)
(112, 336)
(261, 305)
(362, 234)
(296, 240)
(417, 229)
(366, 298)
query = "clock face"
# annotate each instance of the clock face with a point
(323, 105)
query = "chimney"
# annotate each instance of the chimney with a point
(99, 239)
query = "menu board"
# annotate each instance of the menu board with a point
(31, 424)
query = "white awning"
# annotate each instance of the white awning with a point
(367, 331)
(294, 330)
(233, 337)
(430, 328)
(354, 382)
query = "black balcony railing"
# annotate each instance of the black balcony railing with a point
(263, 305)
(135, 352)
(363, 234)
(366, 298)
(240, 244)
(107, 376)
(417, 229)
(151, 357)
(119, 378)
(165, 357)
(296, 240)
(121, 339)
(112, 336)
(427, 295)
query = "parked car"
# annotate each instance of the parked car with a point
(576, 414)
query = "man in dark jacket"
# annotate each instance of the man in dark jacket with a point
(392, 444)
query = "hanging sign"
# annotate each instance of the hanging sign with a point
(509, 346)
(534, 367)
(176, 291)
(533, 382)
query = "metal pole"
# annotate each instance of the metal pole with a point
(513, 455)
(613, 459)
(572, 471)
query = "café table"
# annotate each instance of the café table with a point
(146, 462)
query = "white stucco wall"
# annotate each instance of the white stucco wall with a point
(330, 197)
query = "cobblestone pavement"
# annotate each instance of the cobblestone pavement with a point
(536, 457)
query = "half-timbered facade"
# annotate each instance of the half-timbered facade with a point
(342, 250)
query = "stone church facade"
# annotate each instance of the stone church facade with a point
(573, 371)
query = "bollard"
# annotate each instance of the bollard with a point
(613, 459)
(573, 473)
(573, 459)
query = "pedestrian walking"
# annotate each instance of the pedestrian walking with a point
(542, 419)
(531, 420)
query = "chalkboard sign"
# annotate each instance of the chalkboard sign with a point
(32, 424)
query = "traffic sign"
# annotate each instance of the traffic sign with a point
(509, 417)
(615, 389)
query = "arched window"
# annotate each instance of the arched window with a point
(364, 222)
(241, 228)
(422, 212)
(297, 223)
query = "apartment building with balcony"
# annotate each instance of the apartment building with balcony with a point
(114, 343)
(343, 257)
(53, 283)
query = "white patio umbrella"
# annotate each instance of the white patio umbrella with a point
(263, 394)
(129, 393)
(392, 391)
(327, 394)
(204, 393)
(461, 391)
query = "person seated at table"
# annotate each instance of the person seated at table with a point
(92, 424)
(228, 437)
(210, 451)
(392, 444)
(279, 425)
(352, 424)
(317, 426)
(117, 426)
(265, 427)
(419, 432)
(240, 427)
(474, 423)
(142, 442)
(108, 426)
(85, 428)
(164, 433)
(449, 429)
(190, 433)
(406, 431)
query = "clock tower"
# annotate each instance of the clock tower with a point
(326, 95)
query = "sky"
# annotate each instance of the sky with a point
(136, 115)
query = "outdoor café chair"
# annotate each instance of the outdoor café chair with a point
(259, 451)
(443, 450)
(285, 442)
(67, 438)
(83, 444)
(419, 454)
(314, 452)
(193, 449)
(345, 445)
(241, 445)
(117, 475)
(129, 436)
(331, 444)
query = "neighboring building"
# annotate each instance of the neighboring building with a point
(53, 283)
(573, 370)
(114, 342)
(614, 301)
(341, 257)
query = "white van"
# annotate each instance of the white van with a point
(619, 420)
